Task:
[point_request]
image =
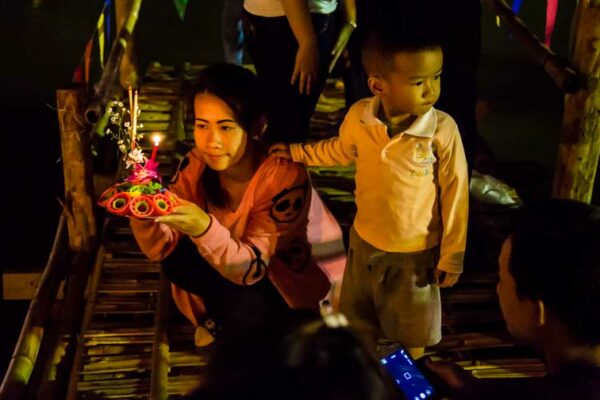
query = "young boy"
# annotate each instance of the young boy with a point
(409, 233)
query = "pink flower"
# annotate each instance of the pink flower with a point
(144, 174)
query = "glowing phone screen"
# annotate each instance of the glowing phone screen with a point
(407, 375)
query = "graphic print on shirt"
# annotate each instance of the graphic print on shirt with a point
(288, 204)
(297, 256)
(423, 154)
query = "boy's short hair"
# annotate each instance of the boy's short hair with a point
(555, 258)
(383, 42)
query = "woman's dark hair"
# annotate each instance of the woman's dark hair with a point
(555, 258)
(298, 357)
(238, 88)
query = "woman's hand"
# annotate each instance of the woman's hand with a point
(306, 66)
(187, 218)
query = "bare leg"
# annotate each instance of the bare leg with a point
(416, 352)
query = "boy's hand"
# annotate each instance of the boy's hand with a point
(446, 279)
(281, 150)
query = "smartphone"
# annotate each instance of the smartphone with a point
(407, 375)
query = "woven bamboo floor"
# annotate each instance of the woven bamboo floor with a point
(134, 341)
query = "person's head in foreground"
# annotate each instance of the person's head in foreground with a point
(549, 287)
(403, 63)
(302, 357)
(549, 270)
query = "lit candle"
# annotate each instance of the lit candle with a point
(156, 140)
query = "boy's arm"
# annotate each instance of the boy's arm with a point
(339, 150)
(454, 202)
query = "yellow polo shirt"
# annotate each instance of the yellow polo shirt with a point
(412, 189)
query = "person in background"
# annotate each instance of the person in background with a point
(409, 234)
(549, 293)
(290, 42)
(236, 247)
(232, 31)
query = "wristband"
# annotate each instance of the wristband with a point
(207, 228)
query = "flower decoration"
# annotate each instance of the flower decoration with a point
(123, 128)
(144, 174)
(141, 194)
(134, 158)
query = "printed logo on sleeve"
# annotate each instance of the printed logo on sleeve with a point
(288, 204)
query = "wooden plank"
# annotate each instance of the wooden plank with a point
(20, 285)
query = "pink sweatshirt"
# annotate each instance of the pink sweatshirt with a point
(272, 217)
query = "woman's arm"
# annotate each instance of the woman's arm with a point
(158, 240)
(279, 212)
(155, 240)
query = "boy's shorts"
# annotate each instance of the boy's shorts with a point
(392, 295)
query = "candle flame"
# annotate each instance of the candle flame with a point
(156, 139)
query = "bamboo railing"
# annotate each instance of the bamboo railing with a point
(26, 351)
(105, 87)
(563, 74)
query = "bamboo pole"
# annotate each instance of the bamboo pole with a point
(76, 157)
(558, 69)
(105, 86)
(128, 74)
(579, 146)
(160, 349)
(87, 317)
(26, 350)
(61, 347)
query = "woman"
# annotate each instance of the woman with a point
(236, 246)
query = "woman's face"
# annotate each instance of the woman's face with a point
(220, 139)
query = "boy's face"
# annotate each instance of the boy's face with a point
(413, 84)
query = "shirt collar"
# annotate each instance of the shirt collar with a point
(424, 126)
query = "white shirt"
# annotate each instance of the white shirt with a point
(274, 8)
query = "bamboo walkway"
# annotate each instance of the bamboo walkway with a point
(135, 345)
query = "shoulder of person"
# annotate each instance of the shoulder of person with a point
(445, 122)
(282, 188)
(278, 172)
(446, 130)
(357, 109)
(188, 171)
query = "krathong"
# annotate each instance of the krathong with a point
(140, 194)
